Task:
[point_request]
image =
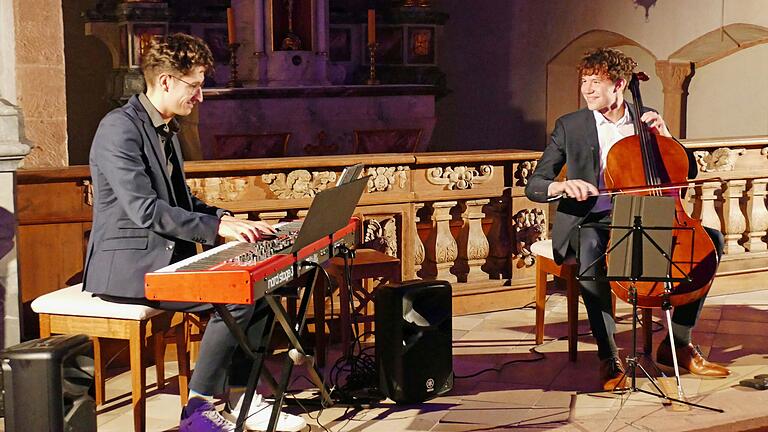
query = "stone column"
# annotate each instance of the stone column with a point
(673, 77)
(12, 151)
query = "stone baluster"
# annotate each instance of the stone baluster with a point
(497, 264)
(418, 245)
(473, 245)
(735, 223)
(441, 249)
(757, 215)
(708, 211)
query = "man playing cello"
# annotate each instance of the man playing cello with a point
(582, 140)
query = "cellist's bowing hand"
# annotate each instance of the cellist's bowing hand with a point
(656, 123)
(576, 189)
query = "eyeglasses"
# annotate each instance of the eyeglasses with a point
(195, 87)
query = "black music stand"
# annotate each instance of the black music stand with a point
(330, 211)
(629, 266)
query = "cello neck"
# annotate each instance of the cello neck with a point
(641, 129)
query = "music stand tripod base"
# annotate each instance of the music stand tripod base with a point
(635, 235)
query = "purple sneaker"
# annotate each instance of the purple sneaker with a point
(201, 416)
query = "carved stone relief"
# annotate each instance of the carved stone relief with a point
(212, 189)
(88, 193)
(720, 160)
(298, 183)
(459, 177)
(529, 226)
(381, 235)
(524, 171)
(384, 178)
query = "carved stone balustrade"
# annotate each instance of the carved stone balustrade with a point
(733, 174)
(452, 236)
(461, 216)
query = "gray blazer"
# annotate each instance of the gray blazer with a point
(138, 221)
(574, 141)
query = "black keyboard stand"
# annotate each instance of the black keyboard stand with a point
(293, 329)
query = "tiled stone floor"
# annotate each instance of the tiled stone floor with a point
(545, 394)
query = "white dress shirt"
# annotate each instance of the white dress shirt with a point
(608, 134)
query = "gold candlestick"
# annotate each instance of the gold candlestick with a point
(233, 81)
(372, 71)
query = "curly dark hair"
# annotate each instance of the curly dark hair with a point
(177, 53)
(607, 62)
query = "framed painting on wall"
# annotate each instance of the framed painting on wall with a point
(421, 45)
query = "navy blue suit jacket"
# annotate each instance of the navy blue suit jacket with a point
(138, 219)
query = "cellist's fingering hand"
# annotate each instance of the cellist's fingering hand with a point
(576, 189)
(656, 123)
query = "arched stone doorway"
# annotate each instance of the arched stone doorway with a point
(729, 86)
(562, 76)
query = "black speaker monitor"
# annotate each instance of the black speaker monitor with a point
(47, 385)
(413, 340)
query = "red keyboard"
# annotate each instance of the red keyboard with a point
(240, 272)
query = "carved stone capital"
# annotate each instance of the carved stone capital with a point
(298, 183)
(459, 177)
(211, 189)
(720, 160)
(673, 75)
(383, 179)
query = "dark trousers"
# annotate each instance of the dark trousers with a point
(592, 242)
(221, 361)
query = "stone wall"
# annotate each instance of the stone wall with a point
(496, 53)
(40, 80)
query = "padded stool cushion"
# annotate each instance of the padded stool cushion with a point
(74, 301)
(543, 248)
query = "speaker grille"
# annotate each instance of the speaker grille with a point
(413, 340)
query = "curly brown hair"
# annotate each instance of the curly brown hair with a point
(607, 62)
(178, 54)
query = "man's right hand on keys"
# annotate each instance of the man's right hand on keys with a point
(243, 229)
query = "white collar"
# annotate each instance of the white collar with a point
(601, 120)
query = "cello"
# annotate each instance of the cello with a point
(650, 162)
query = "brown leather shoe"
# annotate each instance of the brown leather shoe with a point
(689, 357)
(612, 374)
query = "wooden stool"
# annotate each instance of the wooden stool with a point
(367, 265)
(545, 265)
(72, 311)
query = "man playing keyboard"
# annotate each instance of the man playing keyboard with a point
(145, 218)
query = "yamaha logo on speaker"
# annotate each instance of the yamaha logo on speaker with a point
(430, 385)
